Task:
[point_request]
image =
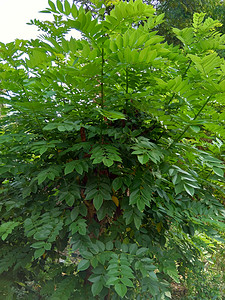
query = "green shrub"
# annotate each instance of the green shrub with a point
(111, 149)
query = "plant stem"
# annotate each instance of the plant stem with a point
(127, 87)
(102, 80)
(102, 94)
(187, 127)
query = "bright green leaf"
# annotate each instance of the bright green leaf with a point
(59, 5)
(143, 159)
(218, 171)
(190, 190)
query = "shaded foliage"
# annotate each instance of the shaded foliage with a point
(179, 14)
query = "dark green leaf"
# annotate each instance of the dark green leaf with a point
(141, 251)
(124, 247)
(38, 253)
(38, 245)
(91, 194)
(69, 199)
(96, 288)
(133, 249)
(100, 245)
(50, 126)
(179, 188)
(98, 200)
(94, 278)
(83, 265)
(137, 221)
(79, 168)
(48, 246)
(112, 280)
(69, 168)
(109, 245)
(74, 213)
(42, 234)
(86, 254)
(41, 177)
(121, 289)
(126, 281)
(134, 196)
(83, 210)
(140, 204)
(117, 183)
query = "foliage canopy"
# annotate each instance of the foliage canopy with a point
(112, 150)
(177, 13)
(180, 13)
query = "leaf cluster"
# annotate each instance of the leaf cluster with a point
(112, 167)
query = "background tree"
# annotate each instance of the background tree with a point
(179, 14)
(112, 181)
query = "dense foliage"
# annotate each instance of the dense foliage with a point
(177, 13)
(112, 181)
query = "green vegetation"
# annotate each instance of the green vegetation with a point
(179, 14)
(112, 164)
